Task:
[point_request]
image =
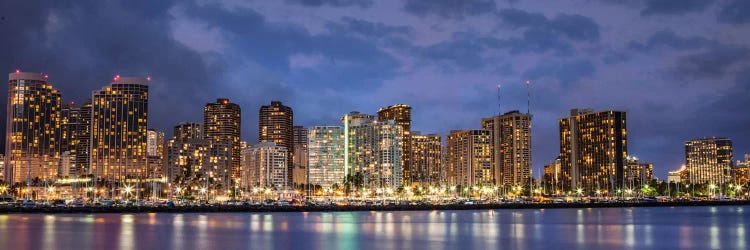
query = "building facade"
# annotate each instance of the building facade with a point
(326, 156)
(222, 126)
(426, 159)
(401, 115)
(552, 178)
(741, 172)
(265, 165)
(300, 155)
(709, 160)
(195, 162)
(75, 135)
(32, 135)
(119, 127)
(276, 124)
(637, 173)
(470, 158)
(374, 150)
(155, 153)
(593, 148)
(511, 147)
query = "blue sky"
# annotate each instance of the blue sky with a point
(681, 69)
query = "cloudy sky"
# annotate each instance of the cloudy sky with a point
(681, 69)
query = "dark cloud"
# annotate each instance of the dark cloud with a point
(714, 62)
(574, 27)
(668, 39)
(735, 12)
(452, 9)
(671, 7)
(334, 3)
(370, 30)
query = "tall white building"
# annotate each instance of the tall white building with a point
(325, 148)
(265, 165)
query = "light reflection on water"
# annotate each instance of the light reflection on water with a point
(616, 228)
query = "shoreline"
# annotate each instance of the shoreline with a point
(267, 209)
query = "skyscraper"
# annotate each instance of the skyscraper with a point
(222, 126)
(276, 124)
(401, 114)
(75, 135)
(265, 165)
(470, 158)
(373, 150)
(426, 159)
(155, 153)
(32, 136)
(709, 160)
(511, 147)
(593, 147)
(300, 155)
(118, 129)
(326, 155)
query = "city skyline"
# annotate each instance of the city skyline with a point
(450, 91)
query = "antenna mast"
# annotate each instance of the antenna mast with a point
(528, 97)
(499, 108)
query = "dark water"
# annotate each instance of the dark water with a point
(603, 228)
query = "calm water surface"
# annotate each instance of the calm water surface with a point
(603, 228)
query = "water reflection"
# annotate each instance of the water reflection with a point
(616, 228)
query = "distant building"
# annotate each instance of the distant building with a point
(709, 160)
(265, 165)
(552, 177)
(470, 158)
(401, 114)
(32, 135)
(741, 171)
(374, 149)
(222, 126)
(637, 173)
(678, 176)
(196, 161)
(300, 155)
(75, 137)
(155, 153)
(326, 156)
(593, 147)
(276, 124)
(511, 147)
(118, 130)
(426, 159)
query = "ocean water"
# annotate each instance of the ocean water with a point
(598, 228)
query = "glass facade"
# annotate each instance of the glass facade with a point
(326, 156)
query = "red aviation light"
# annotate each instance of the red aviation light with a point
(18, 71)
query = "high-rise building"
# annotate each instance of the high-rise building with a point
(326, 156)
(75, 136)
(194, 160)
(155, 153)
(300, 155)
(118, 130)
(426, 159)
(470, 158)
(593, 147)
(552, 177)
(265, 165)
(32, 136)
(222, 126)
(373, 150)
(511, 147)
(741, 172)
(709, 160)
(637, 173)
(276, 124)
(678, 176)
(401, 114)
